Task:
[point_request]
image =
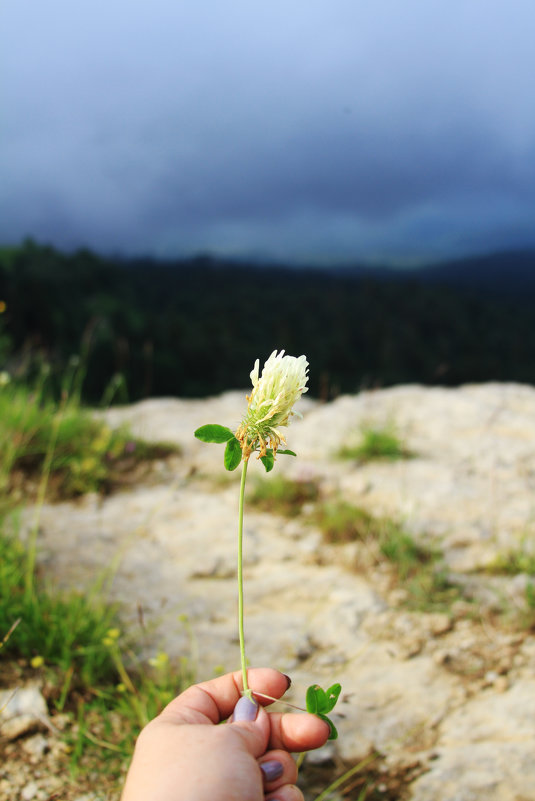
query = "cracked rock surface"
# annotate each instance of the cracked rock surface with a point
(450, 691)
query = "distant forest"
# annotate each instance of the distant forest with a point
(194, 327)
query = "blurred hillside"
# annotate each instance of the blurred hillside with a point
(195, 327)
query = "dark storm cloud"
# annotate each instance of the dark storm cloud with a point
(304, 130)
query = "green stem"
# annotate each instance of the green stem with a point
(246, 690)
(345, 776)
(41, 494)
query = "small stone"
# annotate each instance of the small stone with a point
(17, 727)
(501, 684)
(441, 656)
(490, 677)
(22, 700)
(22, 710)
(36, 746)
(409, 647)
(439, 623)
(29, 791)
(397, 597)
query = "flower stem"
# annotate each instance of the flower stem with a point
(246, 690)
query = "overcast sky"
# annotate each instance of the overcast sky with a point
(311, 130)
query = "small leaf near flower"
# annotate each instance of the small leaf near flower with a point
(214, 433)
(268, 460)
(287, 452)
(232, 454)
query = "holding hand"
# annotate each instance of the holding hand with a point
(183, 755)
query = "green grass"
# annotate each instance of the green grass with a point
(417, 568)
(73, 644)
(513, 562)
(71, 641)
(65, 630)
(530, 607)
(281, 495)
(85, 455)
(403, 551)
(340, 522)
(376, 444)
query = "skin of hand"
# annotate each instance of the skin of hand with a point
(183, 755)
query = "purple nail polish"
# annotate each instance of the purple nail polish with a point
(288, 685)
(271, 769)
(245, 709)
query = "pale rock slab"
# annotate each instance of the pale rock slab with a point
(438, 688)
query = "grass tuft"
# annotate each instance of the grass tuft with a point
(62, 629)
(513, 562)
(340, 521)
(281, 495)
(87, 455)
(71, 641)
(376, 444)
(417, 568)
(73, 645)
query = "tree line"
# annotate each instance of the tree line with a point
(194, 327)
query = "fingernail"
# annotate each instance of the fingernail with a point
(271, 769)
(245, 709)
(288, 685)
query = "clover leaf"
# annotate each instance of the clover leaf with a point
(320, 701)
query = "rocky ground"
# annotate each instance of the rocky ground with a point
(445, 697)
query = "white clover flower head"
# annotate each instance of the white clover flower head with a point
(271, 402)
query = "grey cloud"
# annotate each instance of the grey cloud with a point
(344, 128)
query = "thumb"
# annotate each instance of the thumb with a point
(253, 724)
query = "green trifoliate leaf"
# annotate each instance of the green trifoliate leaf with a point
(232, 454)
(214, 433)
(320, 701)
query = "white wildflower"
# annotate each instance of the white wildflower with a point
(271, 402)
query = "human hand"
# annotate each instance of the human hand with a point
(183, 755)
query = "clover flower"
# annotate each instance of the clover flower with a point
(271, 402)
(270, 407)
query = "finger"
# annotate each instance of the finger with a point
(278, 768)
(287, 793)
(297, 732)
(214, 700)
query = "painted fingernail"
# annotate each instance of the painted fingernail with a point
(245, 709)
(271, 769)
(288, 685)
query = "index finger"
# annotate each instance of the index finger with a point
(297, 732)
(214, 700)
